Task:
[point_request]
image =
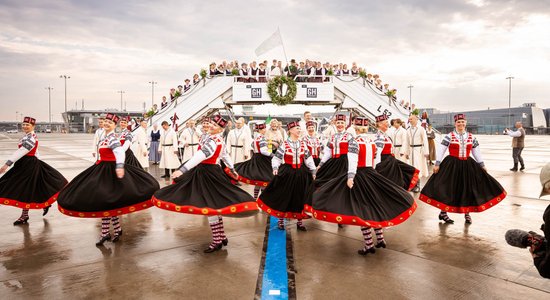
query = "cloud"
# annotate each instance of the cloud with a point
(457, 50)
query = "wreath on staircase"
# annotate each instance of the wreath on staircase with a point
(275, 90)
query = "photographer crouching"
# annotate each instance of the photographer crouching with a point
(538, 244)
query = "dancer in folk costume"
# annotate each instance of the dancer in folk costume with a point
(395, 170)
(238, 142)
(334, 161)
(286, 194)
(154, 154)
(109, 188)
(313, 141)
(419, 150)
(400, 140)
(257, 170)
(189, 140)
(363, 197)
(126, 139)
(141, 145)
(461, 184)
(98, 135)
(168, 149)
(202, 188)
(30, 183)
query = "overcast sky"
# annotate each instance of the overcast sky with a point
(456, 53)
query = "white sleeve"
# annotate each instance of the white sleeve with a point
(207, 150)
(277, 159)
(227, 159)
(327, 154)
(476, 153)
(441, 149)
(194, 161)
(310, 164)
(17, 155)
(120, 156)
(514, 133)
(263, 148)
(353, 158)
(95, 142)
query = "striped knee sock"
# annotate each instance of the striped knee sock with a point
(257, 190)
(379, 234)
(221, 229)
(116, 225)
(281, 223)
(105, 222)
(367, 236)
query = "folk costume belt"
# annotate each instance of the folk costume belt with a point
(414, 146)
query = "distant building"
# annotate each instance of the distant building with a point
(87, 120)
(40, 126)
(494, 121)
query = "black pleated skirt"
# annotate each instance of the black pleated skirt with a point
(30, 184)
(97, 192)
(205, 190)
(374, 201)
(333, 168)
(397, 171)
(286, 194)
(131, 160)
(256, 171)
(462, 186)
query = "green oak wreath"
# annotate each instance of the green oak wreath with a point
(275, 85)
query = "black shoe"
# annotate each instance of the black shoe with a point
(301, 227)
(116, 238)
(103, 239)
(446, 218)
(381, 244)
(468, 219)
(522, 168)
(225, 242)
(366, 251)
(340, 226)
(165, 176)
(46, 209)
(21, 221)
(514, 169)
(213, 247)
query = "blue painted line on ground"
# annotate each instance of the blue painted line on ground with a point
(275, 276)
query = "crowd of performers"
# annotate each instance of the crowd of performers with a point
(348, 178)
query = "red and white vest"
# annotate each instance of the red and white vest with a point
(313, 145)
(367, 152)
(294, 157)
(217, 150)
(339, 144)
(461, 148)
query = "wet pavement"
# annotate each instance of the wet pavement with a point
(160, 254)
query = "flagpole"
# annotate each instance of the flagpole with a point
(284, 50)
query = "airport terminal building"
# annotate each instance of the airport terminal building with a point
(493, 121)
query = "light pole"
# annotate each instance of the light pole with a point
(65, 77)
(152, 82)
(410, 87)
(509, 78)
(49, 88)
(120, 92)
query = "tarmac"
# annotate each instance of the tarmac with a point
(160, 254)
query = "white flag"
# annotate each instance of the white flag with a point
(273, 41)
